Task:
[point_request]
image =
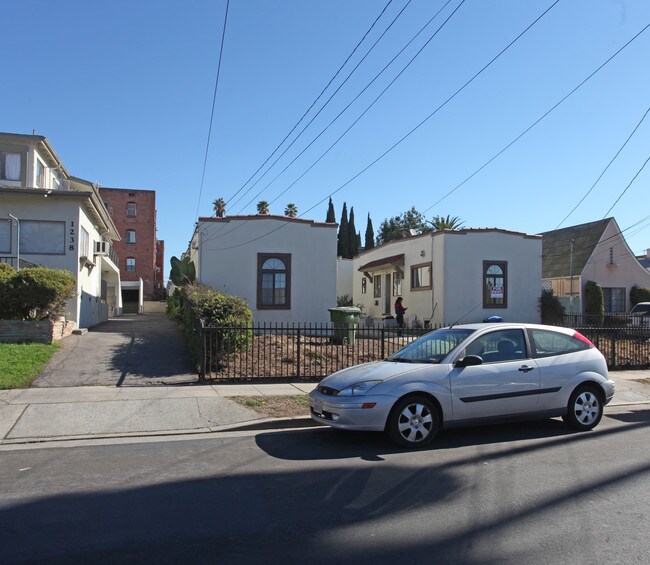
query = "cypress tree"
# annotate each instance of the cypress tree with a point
(370, 234)
(331, 215)
(344, 234)
(352, 234)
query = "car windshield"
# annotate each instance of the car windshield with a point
(432, 347)
(640, 308)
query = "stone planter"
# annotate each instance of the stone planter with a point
(27, 331)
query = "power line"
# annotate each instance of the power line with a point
(319, 96)
(413, 130)
(319, 112)
(628, 186)
(605, 169)
(536, 121)
(214, 99)
(216, 235)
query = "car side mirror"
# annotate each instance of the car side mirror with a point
(469, 361)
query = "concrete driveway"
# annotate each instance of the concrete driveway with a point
(132, 350)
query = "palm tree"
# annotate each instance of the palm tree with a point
(448, 223)
(291, 211)
(219, 207)
(262, 207)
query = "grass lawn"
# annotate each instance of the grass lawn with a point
(20, 363)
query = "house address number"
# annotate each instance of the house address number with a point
(71, 237)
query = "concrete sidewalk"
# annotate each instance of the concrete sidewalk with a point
(51, 414)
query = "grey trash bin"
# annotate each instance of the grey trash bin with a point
(345, 320)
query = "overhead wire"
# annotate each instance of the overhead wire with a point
(216, 235)
(413, 130)
(605, 169)
(214, 99)
(505, 148)
(627, 187)
(318, 97)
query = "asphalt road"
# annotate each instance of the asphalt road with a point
(519, 493)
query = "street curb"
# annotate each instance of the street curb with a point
(251, 425)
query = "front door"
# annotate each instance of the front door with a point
(387, 295)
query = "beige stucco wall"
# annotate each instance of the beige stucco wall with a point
(227, 261)
(463, 272)
(65, 209)
(612, 264)
(456, 260)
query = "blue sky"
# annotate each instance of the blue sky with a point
(123, 90)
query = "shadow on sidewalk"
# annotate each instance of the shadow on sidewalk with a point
(132, 350)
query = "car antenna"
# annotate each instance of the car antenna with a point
(465, 314)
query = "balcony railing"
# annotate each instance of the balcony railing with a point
(13, 261)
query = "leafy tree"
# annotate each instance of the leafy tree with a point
(331, 215)
(183, 271)
(370, 234)
(262, 207)
(441, 223)
(397, 226)
(291, 211)
(343, 247)
(352, 235)
(219, 207)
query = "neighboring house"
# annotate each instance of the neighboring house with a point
(134, 213)
(645, 260)
(452, 276)
(596, 251)
(49, 218)
(284, 268)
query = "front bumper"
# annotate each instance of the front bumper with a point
(351, 412)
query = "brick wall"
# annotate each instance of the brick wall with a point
(43, 331)
(143, 223)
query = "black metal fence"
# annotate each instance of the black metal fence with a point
(309, 352)
(624, 340)
(300, 352)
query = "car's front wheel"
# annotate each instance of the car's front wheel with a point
(585, 409)
(413, 422)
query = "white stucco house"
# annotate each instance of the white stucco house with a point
(52, 219)
(595, 251)
(284, 268)
(452, 276)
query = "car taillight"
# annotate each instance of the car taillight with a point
(582, 338)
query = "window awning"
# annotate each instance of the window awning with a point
(395, 261)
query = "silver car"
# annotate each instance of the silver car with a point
(466, 375)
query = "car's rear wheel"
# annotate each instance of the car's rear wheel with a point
(585, 409)
(413, 422)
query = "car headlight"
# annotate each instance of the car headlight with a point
(358, 389)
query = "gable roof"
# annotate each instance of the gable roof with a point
(556, 246)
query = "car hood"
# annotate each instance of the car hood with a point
(379, 370)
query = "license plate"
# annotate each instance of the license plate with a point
(318, 406)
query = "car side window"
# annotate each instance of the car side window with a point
(548, 343)
(498, 346)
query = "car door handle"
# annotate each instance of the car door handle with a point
(525, 368)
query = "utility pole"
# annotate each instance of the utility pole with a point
(571, 276)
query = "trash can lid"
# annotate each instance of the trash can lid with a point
(346, 309)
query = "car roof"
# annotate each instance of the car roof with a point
(508, 325)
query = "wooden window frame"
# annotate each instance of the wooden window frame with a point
(286, 259)
(504, 267)
(419, 266)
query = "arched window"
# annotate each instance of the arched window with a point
(495, 284)
(273, 281)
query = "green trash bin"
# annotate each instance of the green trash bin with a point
(345, 320)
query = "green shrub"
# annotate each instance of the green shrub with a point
(551, 308)
(230, 314)
(36, 294)
(6, 271)
(594, 302)
(639, 294)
